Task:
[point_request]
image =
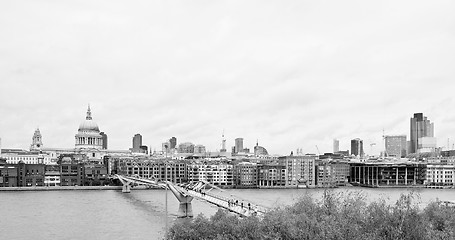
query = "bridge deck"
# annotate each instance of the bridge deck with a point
(197, 190)
(229, 204)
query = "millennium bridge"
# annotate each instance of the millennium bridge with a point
(200, 190)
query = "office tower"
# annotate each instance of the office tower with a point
(357, 147)
(336, 145)
(144, 149)
(199, 149)
(395, 145)
(166, 147)
(137, 141)
(173, 142)
(238, 145)
(223, 143)
(421, 127)
(186, 147)
(104, 137)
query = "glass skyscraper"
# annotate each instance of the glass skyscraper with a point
(420, 127)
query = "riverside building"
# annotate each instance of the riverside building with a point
(216, 173)
(387, 174)
(271, 175)
(300, 170)
(440, 174)
(332, 173)
(246, 175)
(160, 170)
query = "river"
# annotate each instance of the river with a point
(110, 214)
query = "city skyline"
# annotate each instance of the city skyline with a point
(291, 75)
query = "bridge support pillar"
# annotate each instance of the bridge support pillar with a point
(126, 188)
(185, 208)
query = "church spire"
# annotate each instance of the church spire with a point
(89, 113)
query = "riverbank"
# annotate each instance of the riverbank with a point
(63, 188)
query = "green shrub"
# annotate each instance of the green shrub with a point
(335, 216)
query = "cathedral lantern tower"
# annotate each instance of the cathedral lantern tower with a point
(88, 135)
(37, 139)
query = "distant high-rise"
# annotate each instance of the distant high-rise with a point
(137, 141)
(199, 149)
(166, 146)
(336, 145)
(186, 147)
(421, 127)
(357, 147)
(104, 137)
(173, 142)
(223, 143)
(395, 146)
(238, 145)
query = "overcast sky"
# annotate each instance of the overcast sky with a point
(292, 74)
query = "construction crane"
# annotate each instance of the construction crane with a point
(319, 153)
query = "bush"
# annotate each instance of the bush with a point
(335, 216)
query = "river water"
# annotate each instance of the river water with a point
(141, 214)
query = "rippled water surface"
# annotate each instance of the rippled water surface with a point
(140, 214)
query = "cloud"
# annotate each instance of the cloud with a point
(294, 74)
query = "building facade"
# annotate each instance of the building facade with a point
(383, 174)
(137, 141)
(14, 156)
(420, 127)
(271, 175)
(300, 170)
(104, 139)
(395, 145)
(336, 145)
(200, 149)
(440, 174)
(357, 147)
(30, 175)
(216, 173)
(332, 173)
(8, 175)
(238, 145)
(173, 142)
(186, 147)
(246, 175)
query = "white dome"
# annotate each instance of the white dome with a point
(88, 125)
